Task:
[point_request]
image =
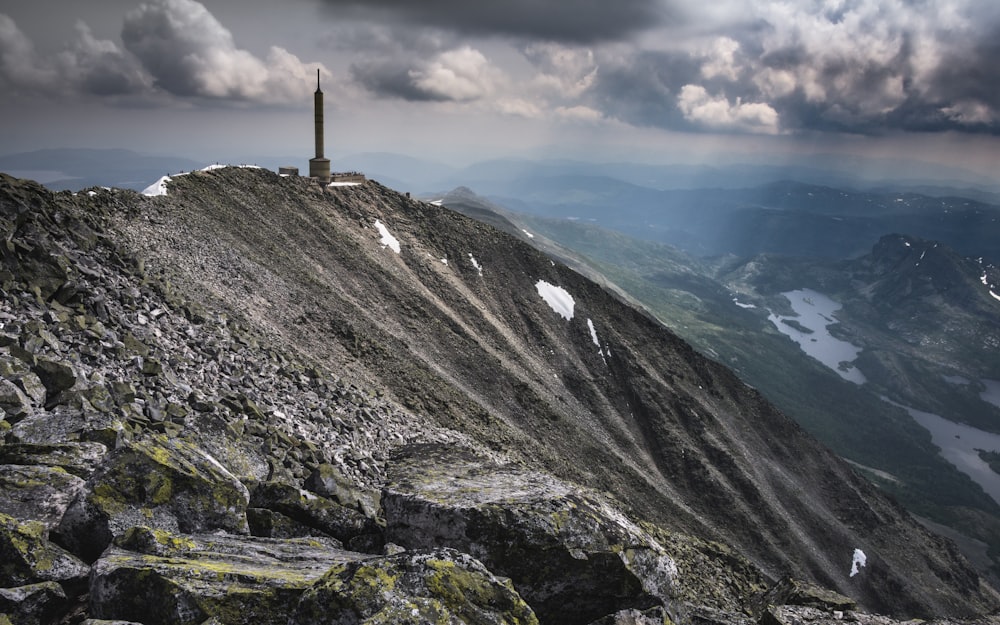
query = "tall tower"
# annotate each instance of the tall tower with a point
(319, 167)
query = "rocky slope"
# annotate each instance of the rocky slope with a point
(240, 403)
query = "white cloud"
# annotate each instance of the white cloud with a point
(189, 53)
(718, 113)
(720, 59)
(579, 113)
(463, 74)
(518, 107)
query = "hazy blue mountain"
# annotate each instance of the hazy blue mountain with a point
(75, 169)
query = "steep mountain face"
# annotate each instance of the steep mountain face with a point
(265, 328)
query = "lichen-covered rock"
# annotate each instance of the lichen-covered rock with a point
(329, 481)
(313, 511)
(712, 578)
(80, 458)
(13, 401)
(67, 423)
(159, 578)
(166, 483)
(27, 556)
(571, 556)
(631, 616)
(794, 592)
(37, 492)
(35, 604)
(438, 586)
(272, 524)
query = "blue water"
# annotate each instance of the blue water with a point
(814, 311)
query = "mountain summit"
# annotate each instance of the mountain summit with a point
(256, 396)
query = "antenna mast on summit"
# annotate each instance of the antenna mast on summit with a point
(319, 167)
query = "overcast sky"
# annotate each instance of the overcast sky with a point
(460, 80)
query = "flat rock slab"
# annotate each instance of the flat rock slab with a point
(81, 458)
(37, 492)
(160, 578)
(571, 556)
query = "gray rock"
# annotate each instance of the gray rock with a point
(329, 481)
(794, 592)
(65, 423)
(28, 557)
(439, 586)
(81, 459)
(160, 578)
(572, 557)
(35, 604)
(13, 400)
(271, 524)
(39, 492)
(56, 375)
(166, 483)
(311, 510)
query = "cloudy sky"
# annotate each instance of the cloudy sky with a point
(456, 80)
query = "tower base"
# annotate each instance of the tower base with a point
(319, 168)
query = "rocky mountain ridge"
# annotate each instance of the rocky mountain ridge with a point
(238, 402)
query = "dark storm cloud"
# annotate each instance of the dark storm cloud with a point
(642, 88)
(170, 46)
(391, 80)
(869, 67)
(579, 21)
(86, 66)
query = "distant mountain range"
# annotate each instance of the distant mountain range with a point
(925, 319)
(75, 169)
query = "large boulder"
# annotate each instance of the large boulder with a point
(570, 554)
(79, 458)
(27, 557)
(319, 513)
(35, 604)
(67, 423)
(158, 481)
(439, 586)
(160, 578)
(328, 480)
(37, 492)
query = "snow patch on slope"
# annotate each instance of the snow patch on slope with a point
(557, 298)
(387, 239)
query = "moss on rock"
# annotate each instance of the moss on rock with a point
(27, 556)
(159, 481)
(161, 578)
(439, 586)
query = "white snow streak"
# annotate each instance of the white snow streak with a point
(858, 562)
(593, 333)
(475, 263)
(557, 298)
(387, 239)
(157, 188)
